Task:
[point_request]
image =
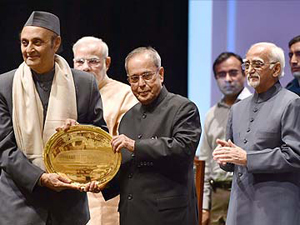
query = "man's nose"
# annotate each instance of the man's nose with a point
(294, 59)
(228, 78)
(251, 69)
(85, 66)
(29, 48)
(141, 81)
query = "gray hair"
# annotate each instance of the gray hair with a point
(276, 55)
(84, 40)
(151, 52)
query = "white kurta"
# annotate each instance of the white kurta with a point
(117, 99)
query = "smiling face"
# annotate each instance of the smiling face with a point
(261, 74)
(146, 91)
(38, 47)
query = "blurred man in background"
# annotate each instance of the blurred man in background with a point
(230, 78)
(294, 60)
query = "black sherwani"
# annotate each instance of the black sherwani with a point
(23, 201)
(156, 182)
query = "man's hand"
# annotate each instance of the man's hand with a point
(122, 141)
(94, 187)
(56, 182)
(67, 124)
(230, 153)
(222, 143)
(205, 217)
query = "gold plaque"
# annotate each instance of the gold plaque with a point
(83, 154)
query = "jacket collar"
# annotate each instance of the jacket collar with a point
(262, 97)
(163, 93)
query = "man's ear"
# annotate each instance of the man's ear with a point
(107, 62)
(57, 43)
(161, 73)
(276, 69)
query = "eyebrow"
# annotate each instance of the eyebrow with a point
(257, 59)
(254, 60)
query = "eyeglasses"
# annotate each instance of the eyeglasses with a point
(255, 64)
(223, 74)
(146, 76)
(90, 61)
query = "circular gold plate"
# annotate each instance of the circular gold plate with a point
(82, 154)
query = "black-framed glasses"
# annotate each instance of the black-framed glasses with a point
(255, 64)
(223, 74)
(94, 61)
(146, 76)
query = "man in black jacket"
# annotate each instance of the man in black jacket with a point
(294, 60)
(158, 139)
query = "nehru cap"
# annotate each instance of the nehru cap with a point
(44, 19)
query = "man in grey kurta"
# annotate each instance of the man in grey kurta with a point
(158, 139)
(263, 147)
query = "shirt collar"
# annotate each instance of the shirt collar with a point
(242, 95)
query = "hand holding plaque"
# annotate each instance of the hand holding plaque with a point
(83, 154)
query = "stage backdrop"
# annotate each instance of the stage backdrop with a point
(122, 24)
(217, 26)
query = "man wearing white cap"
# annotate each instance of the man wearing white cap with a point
(35, 99)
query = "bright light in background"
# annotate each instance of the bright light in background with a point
(199, 54)
(231, 24)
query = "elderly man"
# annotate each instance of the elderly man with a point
(91, 55)
(230, 78)
(263, 148)
(158, 139)
(294, 55)
(35, 99)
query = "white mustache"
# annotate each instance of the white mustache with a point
(252, 83)
(255, 75)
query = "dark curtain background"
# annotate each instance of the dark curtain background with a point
(122, 24)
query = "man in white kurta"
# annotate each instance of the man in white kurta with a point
(91, 55)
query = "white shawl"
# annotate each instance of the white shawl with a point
(28, 109)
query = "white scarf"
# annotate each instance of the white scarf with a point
(28, 109)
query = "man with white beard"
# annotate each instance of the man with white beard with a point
(230, 78)
(294, 55)
(262, 146)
